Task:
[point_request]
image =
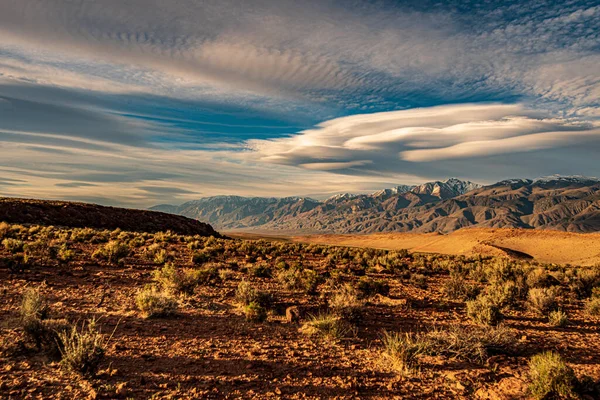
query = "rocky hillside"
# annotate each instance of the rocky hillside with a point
(561, 203)
(234, 212)
(61, 213)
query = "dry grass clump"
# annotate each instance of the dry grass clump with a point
(473, 344)
(542, 300)
(13, 245)
(261, 271)
(592, 305)
(484, 310)
(328, 326)
(418, 280)
(153, 302)
(184, 280)
(457, 289)
(558, 318)
(584, 280)
(297, 278)
(551, 376)
(368, 287)
(82, 349)
(345, 303)
(113, 251)
(247, 294)
(255, 312)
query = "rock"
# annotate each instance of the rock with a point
(292, 314)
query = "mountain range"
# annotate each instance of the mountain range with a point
(567, 203)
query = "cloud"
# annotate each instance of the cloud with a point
(404, 140)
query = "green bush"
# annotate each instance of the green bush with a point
(82, 349)
(246, 294)
(368, 287)
(299, 279)
(592, 306)
(13, 245)
(183, 280)
(255, 312)
(550, 376)
(113, 252)
(261, 271)
(484, 310)
(558, 318)
(153, 302)
(542, 300)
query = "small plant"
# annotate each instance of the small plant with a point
(113, 252)
(225, 274)
(33, 305)
(418, 280)
(542, 300)
(327, 325)
(255, 312)
(550, 376)
(457, 289)
(82, 349)
(162, 256)
(344, 302)
(368, 287)
(299, 279)
(155, 303)
(503, 294)
(400, 351)
(185, 280)
(558, 318)
(13, 245)
(592, 306)
(261, 271)
(484, 311)
(247, 294)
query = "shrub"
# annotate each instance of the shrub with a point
(542, 300)
(199, 257)
(255, 312)
(419, 280)
(484, 311)
(327, 325)
(155, 303)
(368, 287)
(592, 306)
(503, 294)
(457, 289)
(113, 251)
(585, 280)
(299, 279)
(550, 376)
(82, 350)
(400, 351)
(175, 280)
(345, 303)
(225, 274)
(13, 245)
(558, 318)
(33, 305)
(539, 278)
(65, 254)
(246, 294)
(162, 256)
(261, 271)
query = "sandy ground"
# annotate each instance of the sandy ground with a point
(544, 246)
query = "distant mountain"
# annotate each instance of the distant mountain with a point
(567, 203)
(235, 212)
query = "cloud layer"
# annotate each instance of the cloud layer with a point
(144, 101)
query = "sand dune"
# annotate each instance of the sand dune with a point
(544, 246)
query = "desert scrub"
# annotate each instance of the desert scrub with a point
(255, 312)
(368, 287)
(551, 376)
(345, 303)
(503, 294)
(484, 310)
(457, 289)
(38, 329)
(584, 280)
(328, 326)
(418, 280)
(296, 278)
(260, 271)
(82, 349)
(542, 300)
(153, 302)
(558, 318)
(247, 294)
(540, 278)
(13, 245)
(592, 306)
(182, 280)
(400, 351)
(113, 252)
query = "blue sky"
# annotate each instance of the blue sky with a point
(135, 102)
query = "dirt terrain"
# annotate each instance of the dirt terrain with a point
(213, 347)
(543, 246)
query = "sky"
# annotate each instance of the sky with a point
(141, 102)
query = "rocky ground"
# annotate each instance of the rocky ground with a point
(209, 349)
